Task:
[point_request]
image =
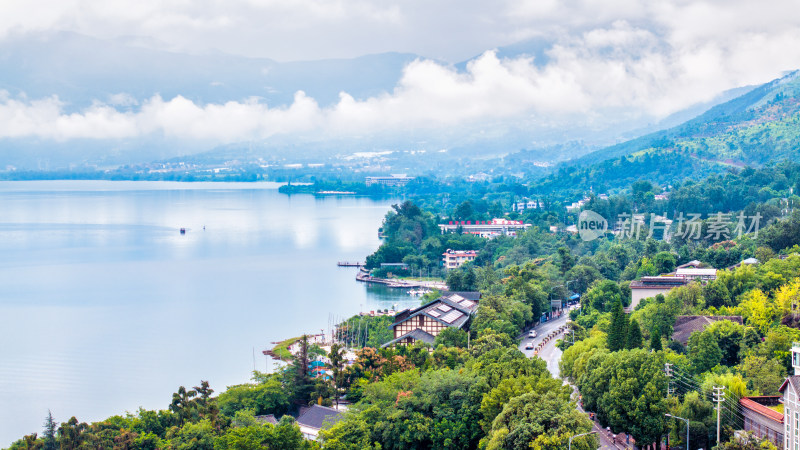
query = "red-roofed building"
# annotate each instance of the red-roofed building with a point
(763, 416)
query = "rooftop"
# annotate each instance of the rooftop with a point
(453, 310)
(658, 282)
(764, 405)
(316, 416)
(417, 335)
(686, 325)
(694, 272)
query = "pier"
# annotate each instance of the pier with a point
(350, 264)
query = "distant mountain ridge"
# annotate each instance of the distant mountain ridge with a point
(756, 128)
(81, 69)
(774, 101)
(127, 71)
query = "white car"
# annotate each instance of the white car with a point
(532, 334)
(529, 346)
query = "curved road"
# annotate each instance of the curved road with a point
(549, 353)
(552, 355)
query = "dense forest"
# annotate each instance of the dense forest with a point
(475, 389)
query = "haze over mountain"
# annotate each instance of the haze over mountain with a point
(758, 127)
(140, 81)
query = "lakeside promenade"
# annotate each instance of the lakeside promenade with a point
(363, 275)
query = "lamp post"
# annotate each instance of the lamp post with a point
(687, 427)
(578, 435)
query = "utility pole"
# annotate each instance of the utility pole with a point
(719, 397)
(687, 427)
(668, 373)
(569, 446)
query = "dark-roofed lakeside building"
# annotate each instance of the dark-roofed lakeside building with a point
(450, 310)
(312, 419)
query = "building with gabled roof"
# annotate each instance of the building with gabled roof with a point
(763, 416)
(312, 419)
(790, 390)
(451, 310)
(686, 325)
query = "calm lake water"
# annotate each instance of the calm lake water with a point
(106, 307)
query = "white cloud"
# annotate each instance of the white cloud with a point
(611, 61)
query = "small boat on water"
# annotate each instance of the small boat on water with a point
(418, 292)
(183, 230)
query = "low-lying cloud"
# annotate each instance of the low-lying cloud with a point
(595, 76)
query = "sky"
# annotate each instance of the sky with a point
(607, 62)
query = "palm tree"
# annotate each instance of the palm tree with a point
(182, 403)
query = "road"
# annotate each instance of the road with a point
(551, 355)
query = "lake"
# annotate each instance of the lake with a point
(106, 307)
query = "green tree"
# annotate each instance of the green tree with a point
(602, 295)
(655, 341)
(193, 435)
(455, 280)
(269, 396)
(634, 338)
(618, 331)
(539, 420)
(464, 211)
(451, 337)
(494, 401)
(71, 434)
(627, 390)
(782, 234)
(729, 336)
(746, 442)
(302, 386)
(182, 404)
(704, 352)
(337, 365)
(716, 294)
(664, 262)
(49, 434)
(565, 260)
(584, 276)
(763, 376)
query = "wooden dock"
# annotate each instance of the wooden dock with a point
(349, 264)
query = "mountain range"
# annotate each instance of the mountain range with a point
(81, 71)
(753, 129)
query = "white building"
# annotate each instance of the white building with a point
(526, 204)
(394, 180)
(697, 274)
(486, 228)
(649, 287)
(454, 259)
(790, 389)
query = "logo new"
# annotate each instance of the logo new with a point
(591, 225)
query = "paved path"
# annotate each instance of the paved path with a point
(552, 355)
(542, 330)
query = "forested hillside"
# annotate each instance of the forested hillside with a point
(760, 126)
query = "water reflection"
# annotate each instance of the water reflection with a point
(106, 307)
